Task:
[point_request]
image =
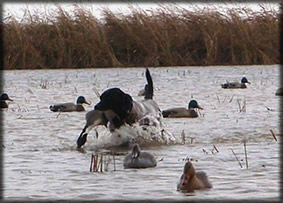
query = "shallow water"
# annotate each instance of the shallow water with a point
(41, 160)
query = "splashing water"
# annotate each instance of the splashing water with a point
(147, 131)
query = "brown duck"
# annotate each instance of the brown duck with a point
(192, 180)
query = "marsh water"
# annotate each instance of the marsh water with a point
(41, 160)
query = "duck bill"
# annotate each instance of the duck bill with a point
(10, 99)
(185, 180)
(249, 82)
(86, 102)
(135, 155)
(200, 107)
(81, 140)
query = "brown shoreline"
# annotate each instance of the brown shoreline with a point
(170, 36)
(142, 67)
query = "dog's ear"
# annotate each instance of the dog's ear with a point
(127, 103)
(110, 99)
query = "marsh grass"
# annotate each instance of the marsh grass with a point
(100, 162)
(43, 84)
(242, 107)
(168, 36)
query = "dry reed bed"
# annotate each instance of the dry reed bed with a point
(169, 36)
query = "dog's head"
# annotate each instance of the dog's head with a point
(116, 100)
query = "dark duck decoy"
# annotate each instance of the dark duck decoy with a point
(279, 91)
(138, 159)
(93, 119)
(3, 98)
(143, 91)
(192, 180)
(234, 85)
(183, 112)
(68, 107)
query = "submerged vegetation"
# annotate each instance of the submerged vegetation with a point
(168, 36)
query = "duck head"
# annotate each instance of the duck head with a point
(136, 151)
(194, 104)
(82, 100)
(189, 172)
(5, 97)
(245, 80)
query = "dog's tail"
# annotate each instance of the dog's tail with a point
(149, 90)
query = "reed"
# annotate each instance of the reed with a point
(183, 137)
(99, 162)
(272, 133)
(43, 84)
(246, 155)
(204, 151)
(94, 163)
(96, 92)
(237, 158)
(58, 114)
(214, 147)
(91, 163)
(231, 99)
(192, 139)
(218, 98)
(242, 108)
(114, 162)
(106, 162)
(168, 36)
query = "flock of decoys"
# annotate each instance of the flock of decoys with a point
(190, 179)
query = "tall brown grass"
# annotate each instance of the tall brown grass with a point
(169, 36)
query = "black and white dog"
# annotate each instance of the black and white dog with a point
(119, 108)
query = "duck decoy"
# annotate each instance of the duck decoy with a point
(143, 91)
(93, 118)
(182, 112)
(68, 107)
(192, 180)
(138, 159)
(279, 91)
(233, 85)
(3, 98)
